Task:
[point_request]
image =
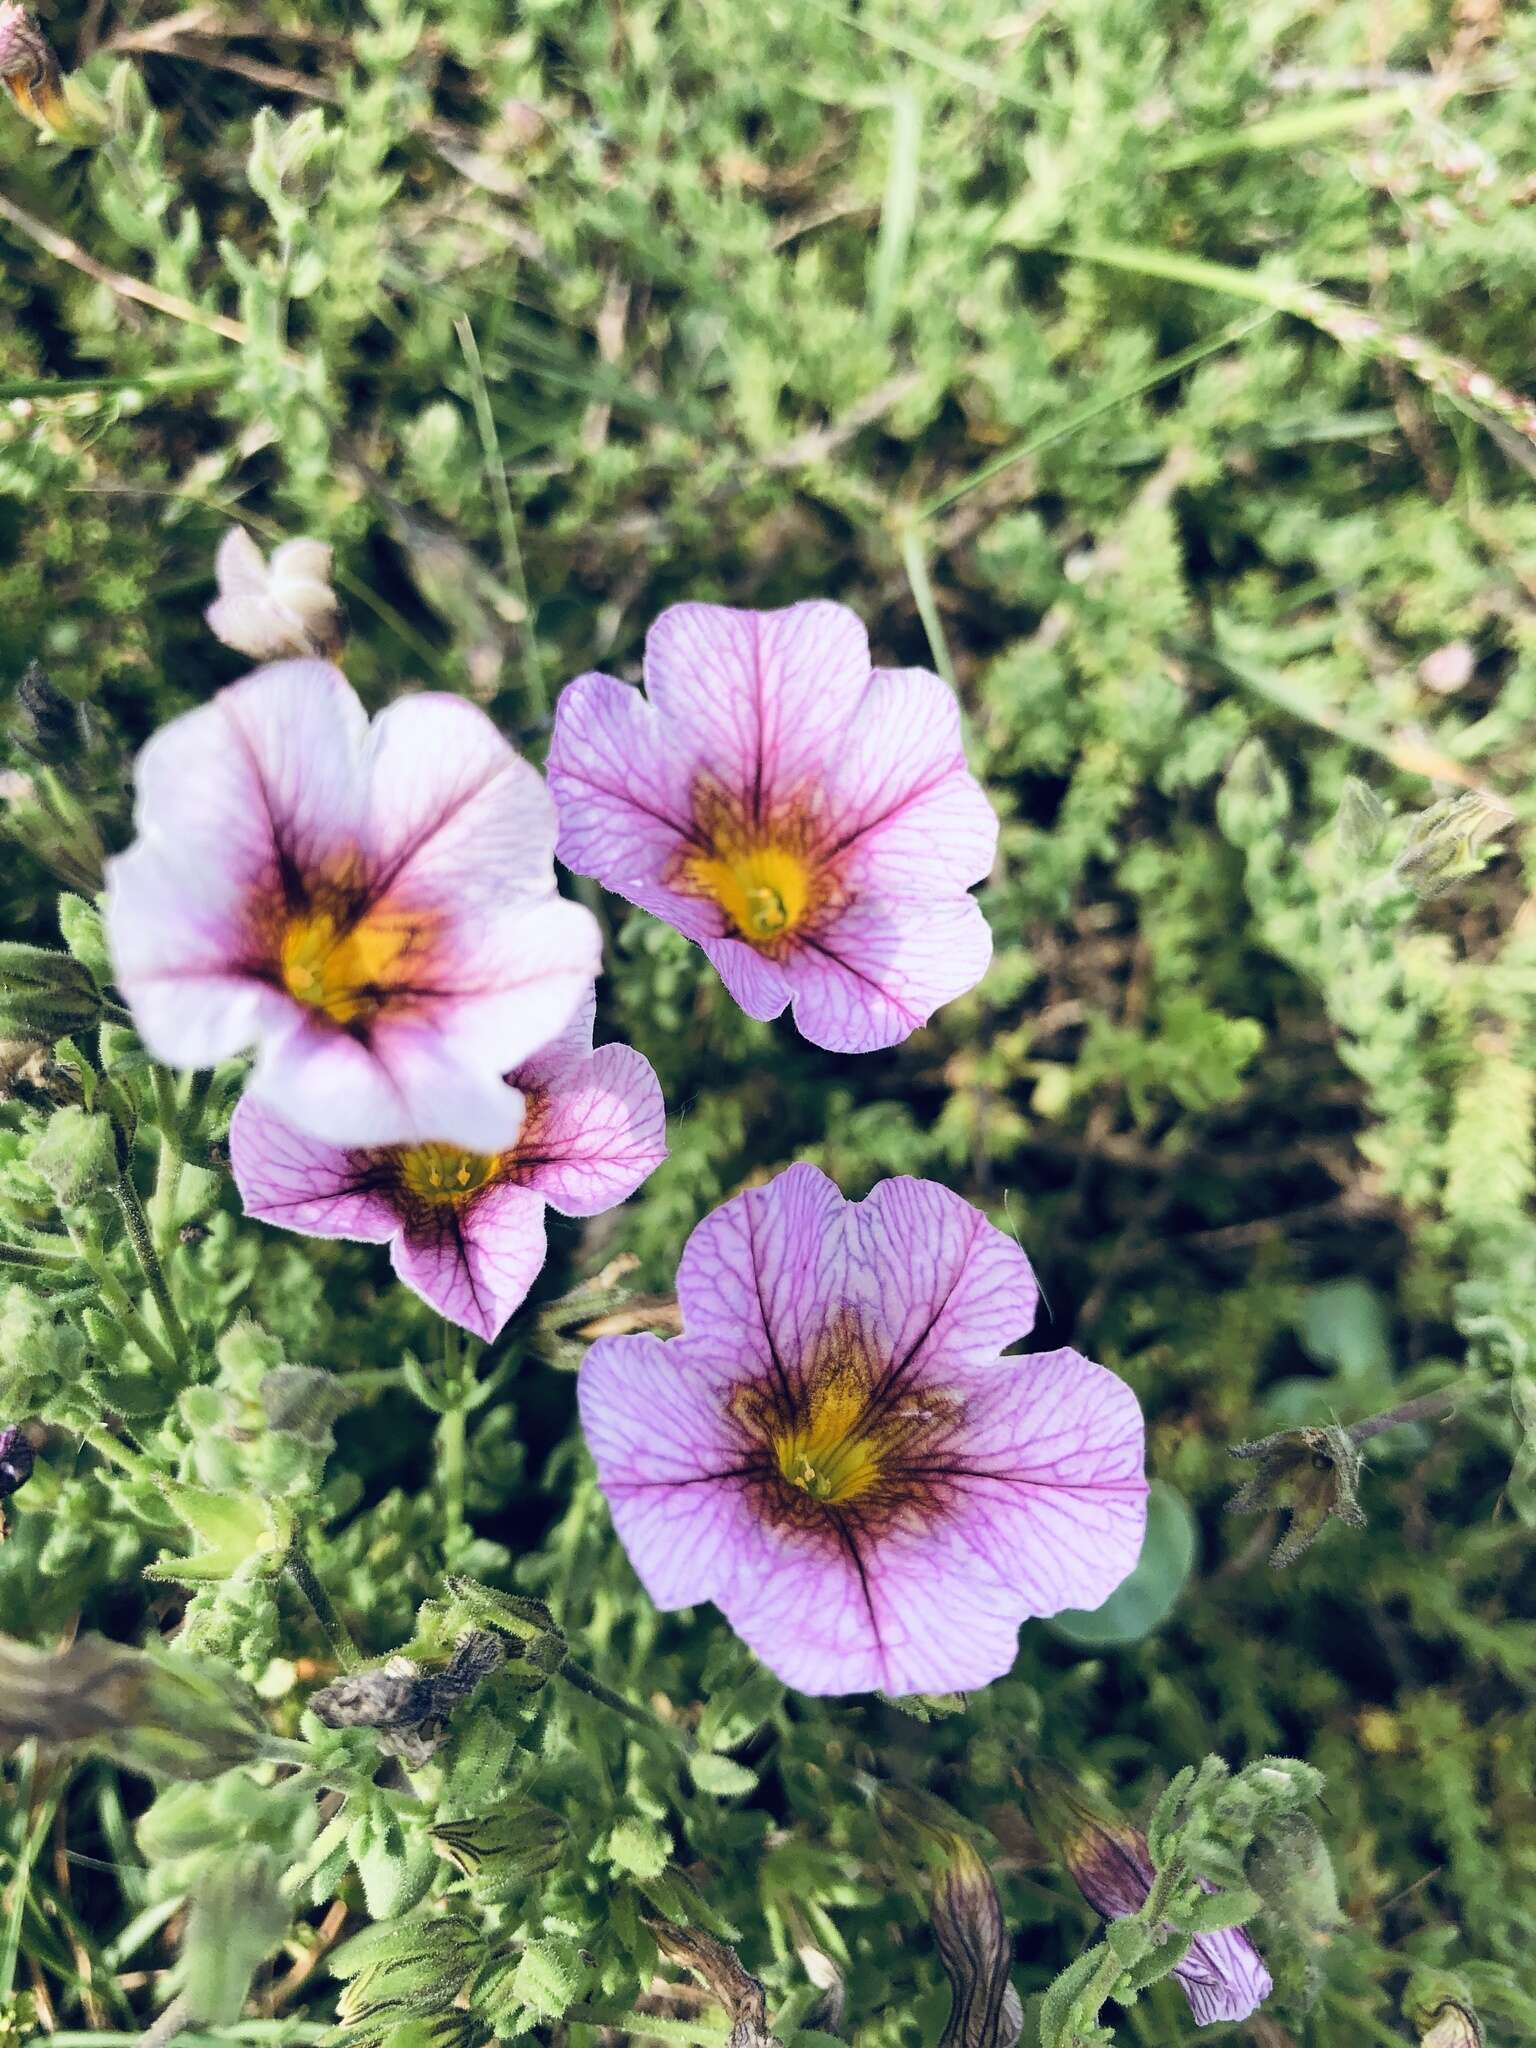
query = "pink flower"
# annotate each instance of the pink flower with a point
(834, 1453)
(466, 1229)
(372, 907)
(812, 824)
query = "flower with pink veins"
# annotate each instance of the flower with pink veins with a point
(372, 907)
(810, 822)
(834, 1453)
(466, 1229)
(268, 609)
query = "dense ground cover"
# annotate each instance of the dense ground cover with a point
(1153, 374)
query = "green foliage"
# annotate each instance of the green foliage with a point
(932, 311)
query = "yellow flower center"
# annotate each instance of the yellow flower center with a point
(832, 1453)
(439, 1173)
(344, 967)
(764, 890)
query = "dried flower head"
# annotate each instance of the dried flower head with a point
(277, 608)
(410, 1707)
(810, 822)
(835, 1454)
(1311, 1473)
(16, 1459)
(29, 70)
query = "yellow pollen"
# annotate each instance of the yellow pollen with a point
(832, 1454)
(344, 969)
(440, 1173)
(764, 890)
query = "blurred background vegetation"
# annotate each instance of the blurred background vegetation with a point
(1153, 371)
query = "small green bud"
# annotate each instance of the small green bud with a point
(1253, 801)
(502, 1852)
(1448, 842)
(44, 994)
(399, 1968)
(85, 935)
(1362, 820)
(77, 1155)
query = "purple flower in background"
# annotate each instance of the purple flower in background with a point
(372, 906)
(810, 822)
(1223, 1975)
(834, 1453)
(16, 1459)
(466, 1229)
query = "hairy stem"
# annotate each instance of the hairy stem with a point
(302, 1572)
(140, 1238)
(640, 1717)
(121, 1304)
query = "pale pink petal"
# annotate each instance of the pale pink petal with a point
(881, 970)
(1049, 1486)
(760, 986)
(596, 1134)
(936, 1285)
(239, 566)
(659, 1437)
(269, 771)
(454, 815)
(621, 782)
(474, 1263)
(300, 1184)
(569, 1047)
(407, 1088)
(762, 1276)
(763, 699)
(177, 933)
(260, 627)
(912, 822)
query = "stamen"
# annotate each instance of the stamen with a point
(440, 1173)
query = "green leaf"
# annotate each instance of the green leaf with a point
(721, 1775)
(1145, 1600)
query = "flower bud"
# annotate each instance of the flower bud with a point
(77, 1155)
(1451, 2025)
(1362, 819)
(1446, 843)
(502, 1851)
(16, 1459)
(51, 726)
(1220, 1971)
(1313, 1474)
(31, 74)
(976, 1952)
(277, 609)
(1254, 800)
(44, 994)
(399, 1969)
(151, 1711)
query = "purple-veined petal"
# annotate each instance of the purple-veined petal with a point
(764, 697)
(453, 813)
(621, 785)
(474, 1263)
(911, 820)
(760, 986)
(1224, 1977)
(760, 1278)
(877, 974)
(657, 1429)
(595, 1134)
(300, 1184)
(937, 1283)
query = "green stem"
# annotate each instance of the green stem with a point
(162, 1205)
(657, 2026)
(32, 1258)
(116, 1452)
(302, 1572)
(140, 1238)
(192, 378)
(450, 1451)
(120, 1302)
(640, 1717)
(506, 520)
